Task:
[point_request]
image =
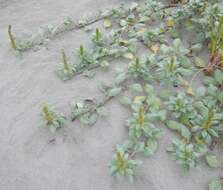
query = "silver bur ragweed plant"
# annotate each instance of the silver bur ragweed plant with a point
(138, 123)
(51, 120)
(186, 155)
(143, 132)
(181, 108)
(110, 45)
(105, 47)
(66, 71)
(167, 61)
(173, 63)
(138, 69)
(86, 61)
(209, 126)
(151, 36)
(85, 57)
(201, 23)
(198, 125)
(122, 165)
(195, 119)
(45, 34)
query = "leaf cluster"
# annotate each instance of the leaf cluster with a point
(87, 111)
(52, 120)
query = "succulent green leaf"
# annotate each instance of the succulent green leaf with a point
(125, 100)
(183, 130)
(212, 161)
(114, 91)
(102, 111)
(215, 185)
(136, 88)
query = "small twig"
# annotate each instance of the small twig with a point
(53, 140)
(132, 154)
(195, 75)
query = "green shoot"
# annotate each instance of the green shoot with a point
(12, 38)
(81, 50)
(66, 71)
(65, 63)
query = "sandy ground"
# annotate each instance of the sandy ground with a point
(78, 158)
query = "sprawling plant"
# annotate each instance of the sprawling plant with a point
(195, 115)
(138, 69)
(182, 108)
(152, 36)
(195, 119)
(187, 155)
(45, 34)
(143, 134)
(198, 15)
(151, 8)
(51, 120)
(173, 63)
(209, 125)
(85, 58)
(122, 165)
(142, 125)
(66, 70)
(105, 47)
(199, 124)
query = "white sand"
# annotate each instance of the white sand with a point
(78, 158)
